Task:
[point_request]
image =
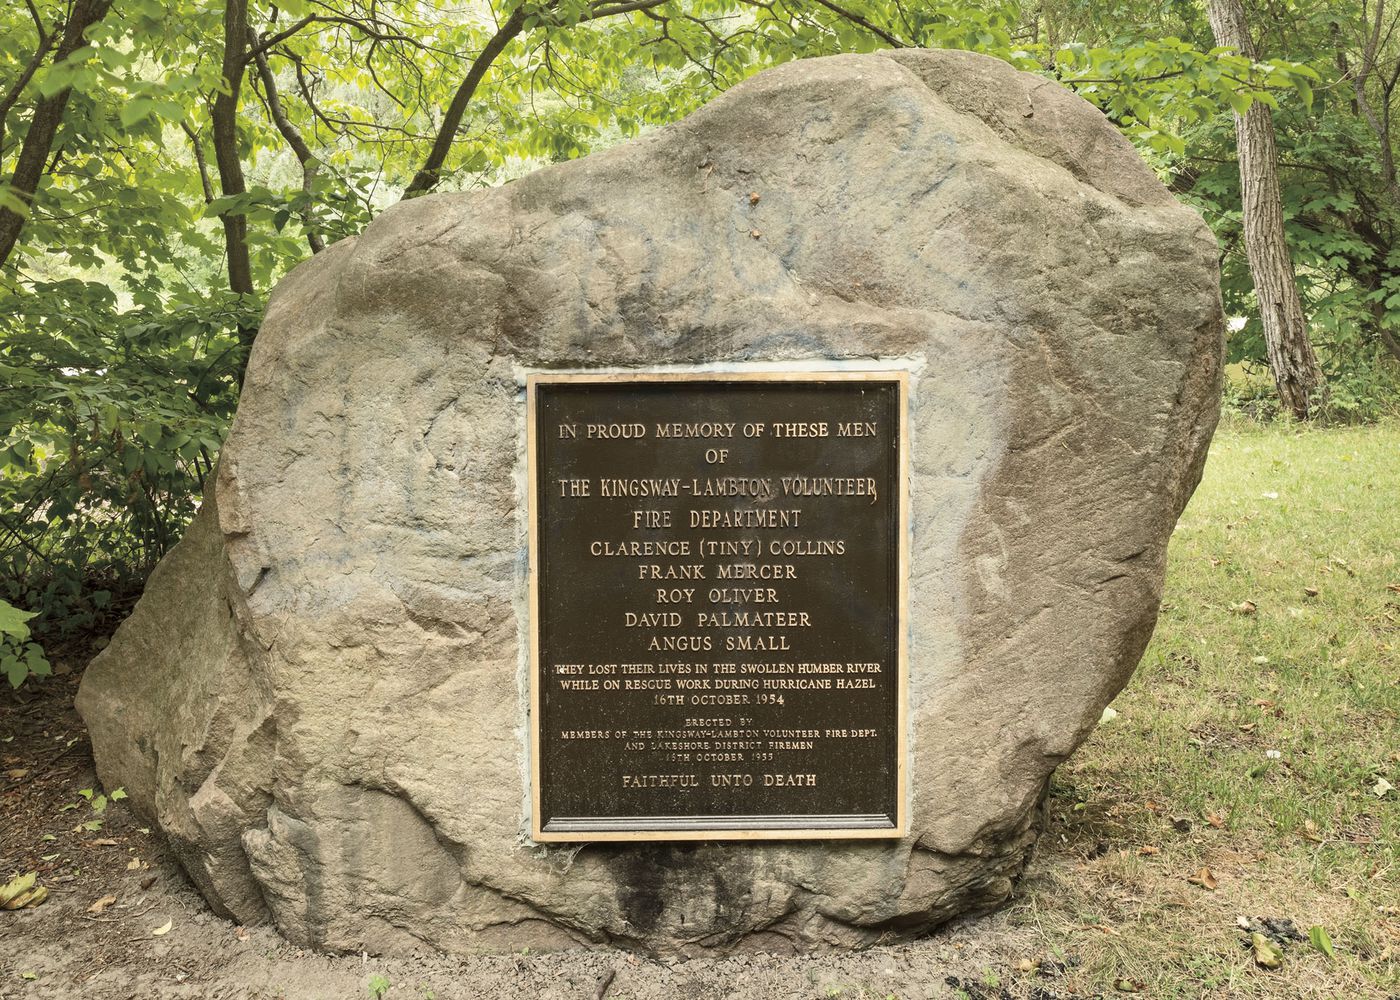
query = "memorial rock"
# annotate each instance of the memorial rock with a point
(324, 698)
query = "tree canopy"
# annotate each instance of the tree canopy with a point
(163, 164)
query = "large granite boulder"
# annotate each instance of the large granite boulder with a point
(321, 699)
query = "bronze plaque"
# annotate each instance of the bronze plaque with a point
(717, 598)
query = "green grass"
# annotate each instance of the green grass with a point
(1247, 660)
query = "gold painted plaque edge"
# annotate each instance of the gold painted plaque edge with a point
(898, 831)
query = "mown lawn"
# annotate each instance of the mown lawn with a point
(1246, 771)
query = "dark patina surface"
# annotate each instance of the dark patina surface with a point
(717, 605)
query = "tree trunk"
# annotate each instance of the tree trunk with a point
(224, 118)
(1296, 373)
(48, 113)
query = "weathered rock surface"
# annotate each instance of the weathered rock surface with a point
(321, 698)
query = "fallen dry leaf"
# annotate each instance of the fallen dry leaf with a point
(1147, 850)
(133, 864)
(754, 197)
(1215, 820)
(21, 892)
(1244, 608)
(102, 904)
(1311, 591)
(241, 933)
(1266, 953)
(102, 842)
(163, 929)
(1204, 878)
(17, 773)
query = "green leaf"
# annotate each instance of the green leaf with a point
(150, 432)
(12, 620)
(11, 202)
(35, 661)
(1317, 934)
(136, 110)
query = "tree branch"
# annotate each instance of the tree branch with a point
(431, 172)
(268, 41)
(200, 163)
(869, 26)
(607, 10)
(44, 36)
(309, 164)
(1379, 125)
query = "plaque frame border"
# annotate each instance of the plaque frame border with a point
(901, 378)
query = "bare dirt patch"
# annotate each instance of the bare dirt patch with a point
(62, 948)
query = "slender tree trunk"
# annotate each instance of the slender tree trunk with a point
(1361, 103)
(224, 119)
(1296, 373)
(48, 113)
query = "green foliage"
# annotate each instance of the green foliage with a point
(377, 986)
(19, 658)
(121, 347)
(1342, 218)
(97, 805)
(110, 421)
(1153, 87)
(1342, 231)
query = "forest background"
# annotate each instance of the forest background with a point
(162, 165)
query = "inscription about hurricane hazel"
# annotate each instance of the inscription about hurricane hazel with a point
(717, 570)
